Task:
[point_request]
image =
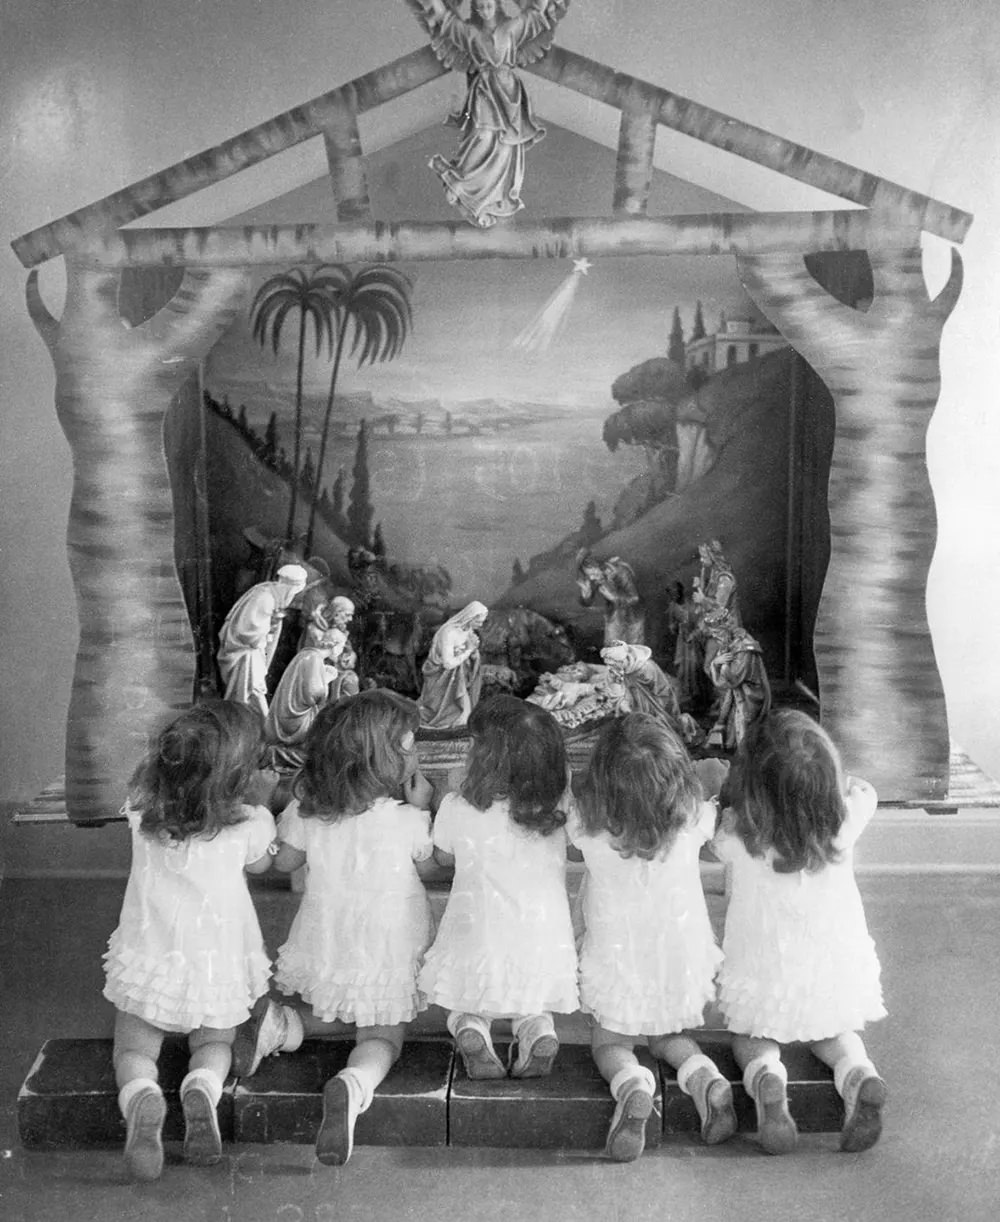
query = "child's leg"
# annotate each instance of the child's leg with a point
(201, 1090)
(698, 1076)
(136, 1052)
(859, 1085)
(537, 1044)
(350, 1092)
(475, 1043)
(632, 1088)
(765, 1079)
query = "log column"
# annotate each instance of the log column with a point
(135, 663)
(880, 690)
(634, 167)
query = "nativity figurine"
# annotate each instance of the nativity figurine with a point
(310, 682)
(496, 122)
(249, 636)
(614, 581)
(452, 671)
(647, 688)
(737, 670)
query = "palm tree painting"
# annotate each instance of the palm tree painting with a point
(376, 301)
(309, 293)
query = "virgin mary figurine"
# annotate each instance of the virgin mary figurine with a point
(452, 672)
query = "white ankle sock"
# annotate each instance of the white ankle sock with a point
(691, 1066)
(544, 1021)
(845, 1066)
(206, 1078)
(632, 1073)
(294, 1030)
(360, 1085)
(771, 1061)
(129, 1091)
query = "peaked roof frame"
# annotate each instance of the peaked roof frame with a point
(90, 232)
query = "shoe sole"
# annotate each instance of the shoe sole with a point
(863, 1127)
(627, 1137)
(540, 1059)
(144, 1146)
(335, 1139)
(720, 1115)
(245, 1059)
(776, 1130)
(202, 1140)
(480, 1060)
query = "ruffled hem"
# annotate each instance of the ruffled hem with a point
(175, 998)
(784, 1018)
(381, 998)
(486, 987)
(661, 1024)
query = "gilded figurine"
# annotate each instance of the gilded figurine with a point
(614, 581)
(496, 123)
(738, 673)
(452, 672)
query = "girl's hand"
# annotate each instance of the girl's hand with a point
(418, 791)
(712, 773)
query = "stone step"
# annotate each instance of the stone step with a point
(69, 1099)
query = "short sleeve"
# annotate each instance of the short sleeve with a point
(291, 828)
(419, 821)
(444, 824)
(260, 831)
(726, 845)
(861, 803)
(705, 820)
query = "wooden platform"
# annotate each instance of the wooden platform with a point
(69, 1098)
(968, 786)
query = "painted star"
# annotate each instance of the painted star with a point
(582, 265)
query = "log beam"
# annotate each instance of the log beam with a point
(565, 237)
(347, 166)
(625, 92)
(215, 164)
(634, 168)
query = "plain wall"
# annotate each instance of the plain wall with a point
(99, 93)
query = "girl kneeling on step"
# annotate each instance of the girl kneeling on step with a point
(364, 921)
(505, 947)
(799, 962)
(188, 955)
(648, 957)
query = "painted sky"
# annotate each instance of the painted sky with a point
(467, 315)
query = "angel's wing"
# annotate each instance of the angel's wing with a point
(533, 49)
(452, 54)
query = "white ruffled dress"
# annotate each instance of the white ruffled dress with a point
(505, 946)
(188, 950)
(799, 961)
(648, 956)
(355, 945)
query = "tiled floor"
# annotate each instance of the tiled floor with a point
(939, 1159)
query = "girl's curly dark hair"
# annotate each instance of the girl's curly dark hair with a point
(640, 787)
(517, 753)
(192, 780)
(355, 754)
(786, 788)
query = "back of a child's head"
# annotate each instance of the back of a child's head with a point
(355, 754)
(193, 778)
(517, 754)
(786, 788)
(640, 787)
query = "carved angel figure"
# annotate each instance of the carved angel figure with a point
(483, 179)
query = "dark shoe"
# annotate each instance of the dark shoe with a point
(776, 1129)
(718, 1123)
(863, 1119)
(144, 1118)
(627, 1135)
(262, 1034)
(335, 1139)
(202, 1140)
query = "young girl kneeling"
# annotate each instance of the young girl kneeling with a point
(800, 964)
(648, 958)
(188, 955)
(364, 921)
(505, 947)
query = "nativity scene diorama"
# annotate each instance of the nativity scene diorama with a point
(668, 462)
